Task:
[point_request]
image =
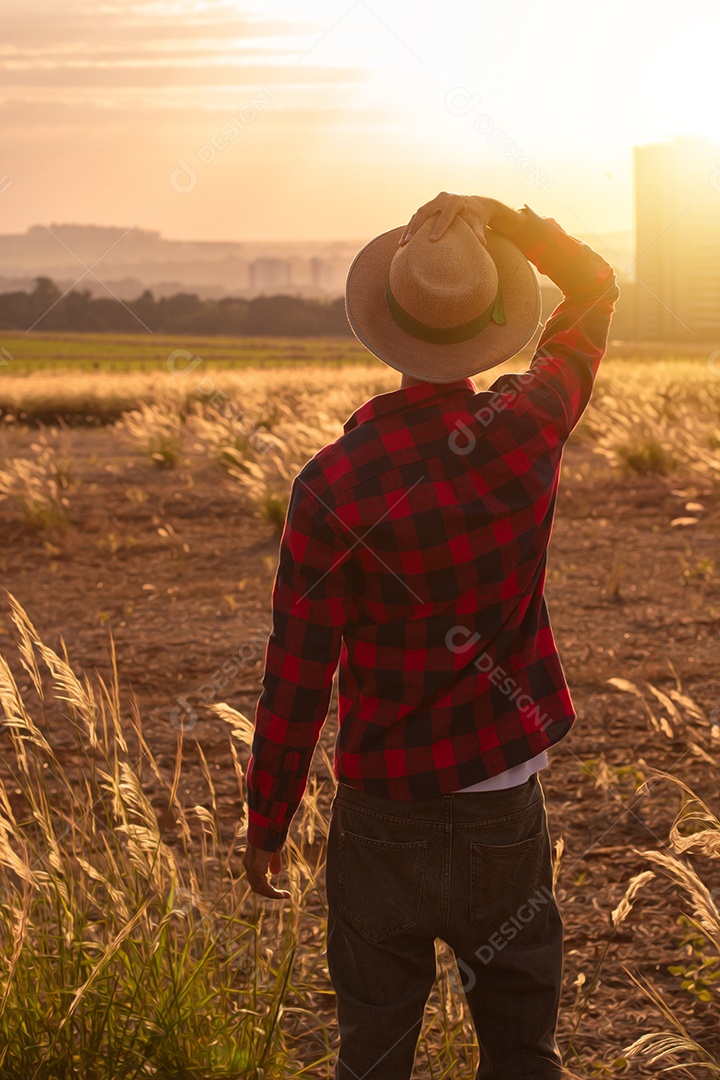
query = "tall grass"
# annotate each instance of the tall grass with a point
(129, 946)
(38, 483)
(695, 832)
(656, 420)
(646, 418)
(157, 428)
(266, 476)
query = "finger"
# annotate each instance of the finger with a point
(276, 862)
(450, 211)
(420, 218)
(408, 230)
(421, 215)
(479, 230)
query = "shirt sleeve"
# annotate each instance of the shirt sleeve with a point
(309, 602)
(573, 341)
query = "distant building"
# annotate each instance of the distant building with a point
(300, 271)
(329, 274)
(677, 222)
(267, 275)
(319, 269)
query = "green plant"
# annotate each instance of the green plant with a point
(702, 569)
(646, 457)
(628, 778)
(701, 973)
(274, 508)
(613, 581)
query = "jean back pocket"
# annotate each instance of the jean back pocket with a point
(504, 879)
(381, 884)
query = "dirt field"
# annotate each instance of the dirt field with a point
(174, 565)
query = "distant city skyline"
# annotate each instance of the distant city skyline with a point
(143, 259)
(229, 120)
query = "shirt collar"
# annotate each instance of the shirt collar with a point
(397, 400)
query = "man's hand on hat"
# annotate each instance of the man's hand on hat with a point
(477, 210)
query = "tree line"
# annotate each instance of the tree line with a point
(47, 308)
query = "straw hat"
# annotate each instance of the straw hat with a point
(442, 309)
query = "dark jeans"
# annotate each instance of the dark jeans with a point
(473, 869)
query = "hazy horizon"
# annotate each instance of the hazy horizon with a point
(147, 259)
(259, 242)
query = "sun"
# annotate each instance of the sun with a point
(677, 88)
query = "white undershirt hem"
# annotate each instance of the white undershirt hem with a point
(518, 774)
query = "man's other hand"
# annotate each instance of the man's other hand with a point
(257, 863)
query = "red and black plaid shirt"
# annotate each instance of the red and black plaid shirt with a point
(414, 553)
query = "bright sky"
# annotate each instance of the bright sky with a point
(339, 117)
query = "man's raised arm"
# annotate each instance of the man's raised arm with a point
(574, 339)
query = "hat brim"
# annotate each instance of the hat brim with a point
(374, 326)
